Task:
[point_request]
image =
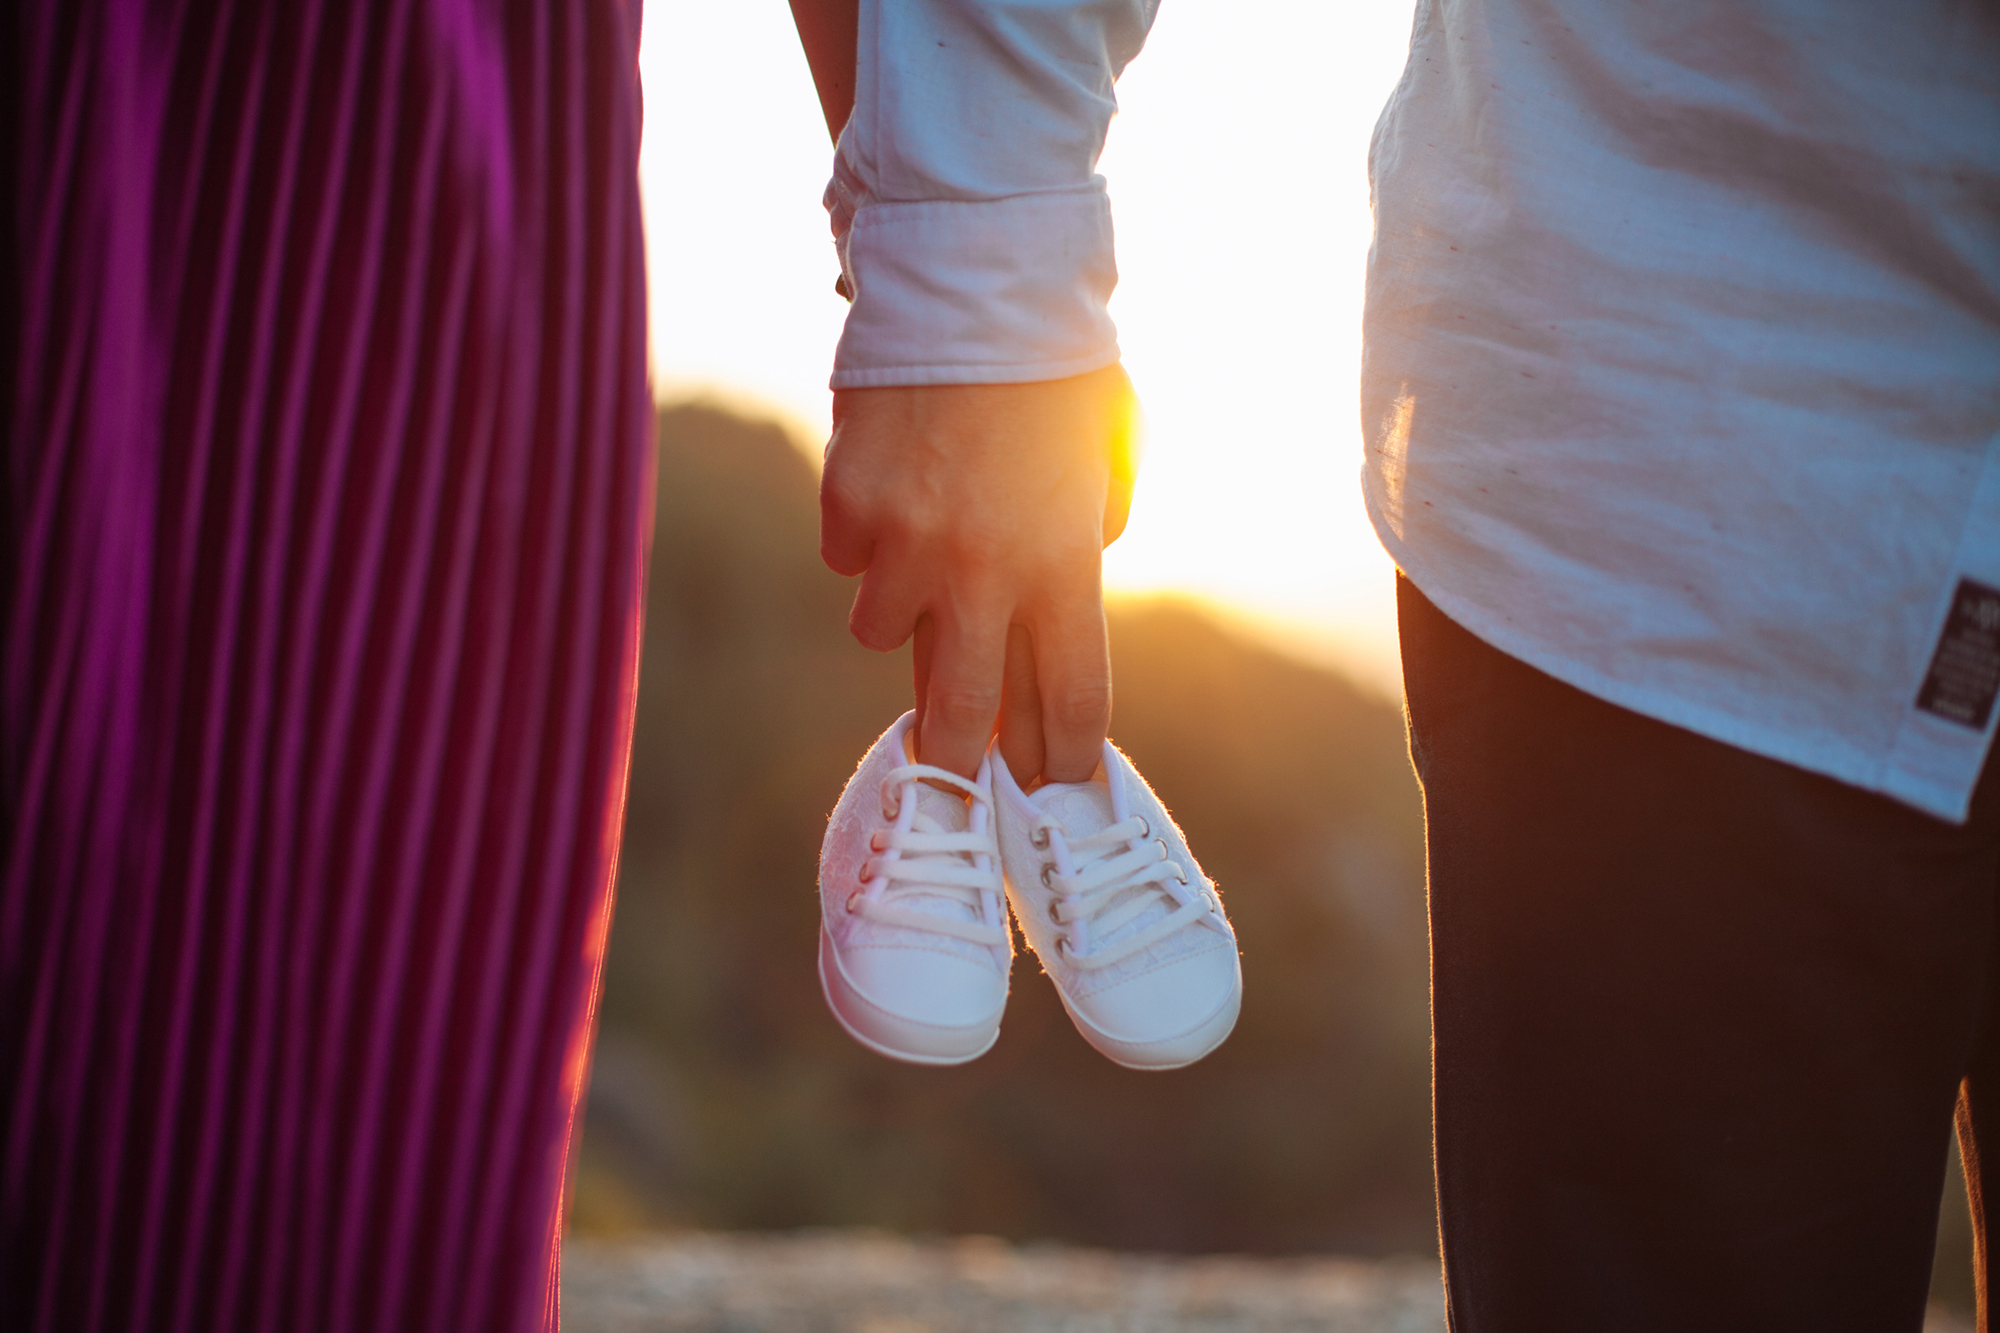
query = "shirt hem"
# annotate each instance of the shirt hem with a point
(1839, 763)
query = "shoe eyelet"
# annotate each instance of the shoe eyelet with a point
(878, 841)
(862, 873)
(1055, 911)
(852, 899)
(1038, 838)
(1145, 829)
(891, 808)
(1048, 869)
(1062, 945)
(1180, 872)
(1161, 843)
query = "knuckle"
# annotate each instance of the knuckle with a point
(848, 489)
(963, 708)
(1080, 708)
(840, 515)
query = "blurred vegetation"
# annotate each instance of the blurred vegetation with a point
(724, 1095)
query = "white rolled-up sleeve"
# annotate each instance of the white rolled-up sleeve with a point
(973, 231)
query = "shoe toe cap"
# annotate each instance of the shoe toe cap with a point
(926, 985)
(915, 1003)
(1170, 1015)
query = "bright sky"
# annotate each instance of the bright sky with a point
(1239, 183)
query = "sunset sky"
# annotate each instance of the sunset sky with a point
(1239, 185)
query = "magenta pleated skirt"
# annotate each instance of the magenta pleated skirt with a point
(326, 497)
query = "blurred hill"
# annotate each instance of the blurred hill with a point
(725, 1096)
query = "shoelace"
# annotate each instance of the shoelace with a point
(1106, 880)
(918, 857)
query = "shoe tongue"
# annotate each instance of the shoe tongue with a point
(947, 808)
(1082, 808)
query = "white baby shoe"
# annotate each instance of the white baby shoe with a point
(1125, 923)
(914, 949)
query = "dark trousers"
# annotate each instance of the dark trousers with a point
(1701, 1019)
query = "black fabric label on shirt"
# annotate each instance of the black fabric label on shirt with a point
(1965, 670)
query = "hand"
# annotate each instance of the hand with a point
(977, 514)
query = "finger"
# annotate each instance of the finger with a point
(1021, 708)
(962, 690)
(1073, 669)
(845, 543)
(886, 607)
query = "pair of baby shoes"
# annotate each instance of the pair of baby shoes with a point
(914, 946)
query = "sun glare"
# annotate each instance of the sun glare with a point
(1238, 179)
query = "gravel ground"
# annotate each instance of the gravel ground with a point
(869, 1282)
(865, 1282)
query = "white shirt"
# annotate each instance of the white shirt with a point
(1681, 377)
(973, 229)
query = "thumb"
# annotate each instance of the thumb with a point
(1125, 426)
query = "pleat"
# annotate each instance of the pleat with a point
(326, 497)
